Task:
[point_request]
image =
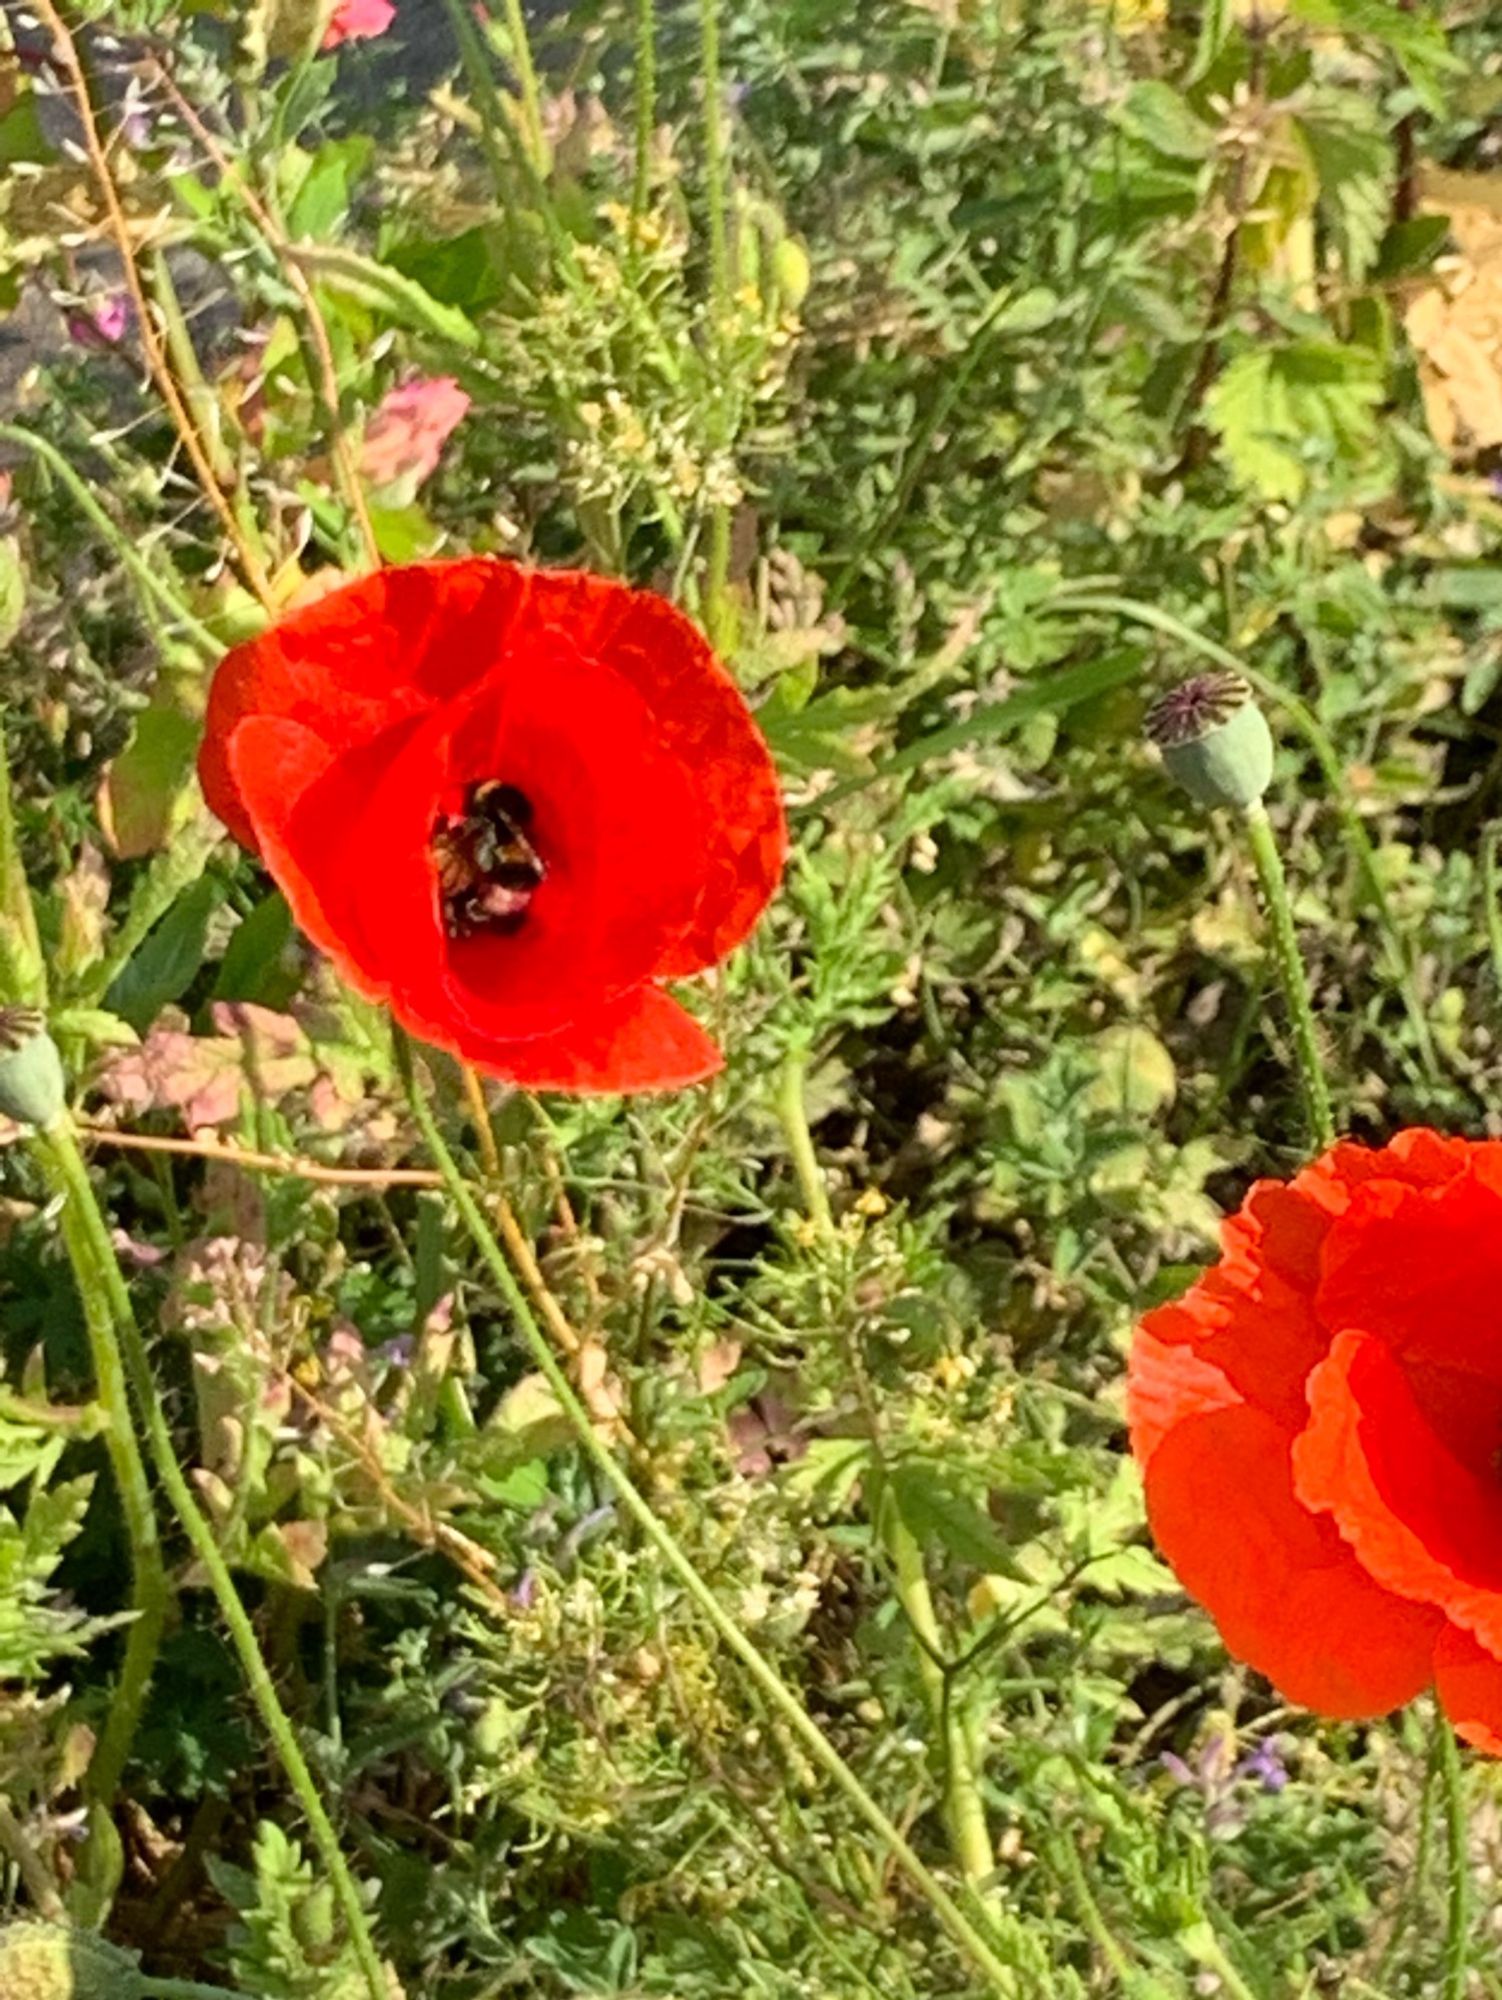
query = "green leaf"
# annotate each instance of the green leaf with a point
(323, 193)
(12, 589)
(21, 136)
(937, 1510)
(254, 966)
(1347, 142)
(1414, 38)
(167, 962)
(1156, 114)
(290, 29)
(386, 291)
(469, 270)
(149, 786)
(1281, 410)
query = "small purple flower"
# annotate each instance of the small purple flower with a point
(1265, 1765)
(525, 1590)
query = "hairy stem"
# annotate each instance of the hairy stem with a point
(1087, 599)
(718, 612)
(82, 1212)
(150, 1593)
(1291, 975)
(644, 88)
(1456, 1960)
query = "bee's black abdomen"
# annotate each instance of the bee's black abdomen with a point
(500, 801)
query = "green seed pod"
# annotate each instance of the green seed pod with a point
(791, 273)
(33, 1089)
(315, 1921)
(49, 1962)
(1215, 740)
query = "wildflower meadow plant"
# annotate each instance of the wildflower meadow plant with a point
(749, 951)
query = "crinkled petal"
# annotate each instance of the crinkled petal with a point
(617, 820)
(703, 721)
(1414, 1266)
(1286, 1592)
(358, 660)
(1468, 1680)
(642, 1040)
(1419, 1521)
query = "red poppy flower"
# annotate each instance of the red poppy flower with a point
(506, 802)
(1319, 1422)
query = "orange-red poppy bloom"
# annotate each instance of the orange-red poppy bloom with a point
(1319, 1423)
(507, 803)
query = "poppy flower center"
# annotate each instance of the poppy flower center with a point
(488, 869)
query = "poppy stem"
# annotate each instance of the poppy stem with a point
(1458, 1915)
(1290, 968)
(1000, 1978)
(1097, 596)
(150, 1592)
(644, 85)
(100, 1282)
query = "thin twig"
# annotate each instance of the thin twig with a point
(247, 560)
(264, 1163)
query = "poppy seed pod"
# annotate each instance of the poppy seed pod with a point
(1214, 740)
(49, 1962)
(32, 1087)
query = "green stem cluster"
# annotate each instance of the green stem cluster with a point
(98, 1273)
(963, 1929)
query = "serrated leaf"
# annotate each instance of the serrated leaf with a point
(1272, 404)
(940, 1513)
(1348, 145)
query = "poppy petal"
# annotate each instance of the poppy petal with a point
(703, 722)
(617, 821)
(1468, 1680)
(349, 845)
(1408, 1264)
(641, 1040)
(1419, 1521)
(358, 659)
(1285, 1591)
(1235, 1336)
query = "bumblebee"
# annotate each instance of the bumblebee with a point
(488, 869)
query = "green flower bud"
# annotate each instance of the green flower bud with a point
(32, 1086)
(791, 272)
(49, 1962)
(315, 1921)
(1215, 740)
